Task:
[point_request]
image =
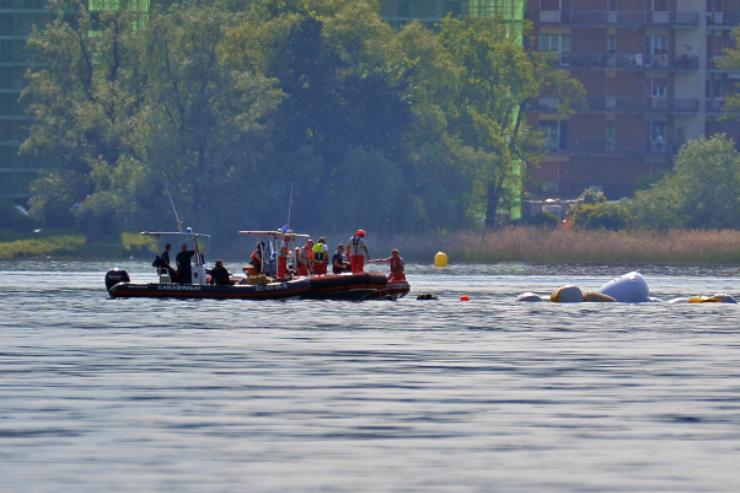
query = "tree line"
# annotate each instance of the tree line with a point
(227, 105)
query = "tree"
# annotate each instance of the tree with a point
(80, 97)
(731, 60)
(496, 77)
(701, 192)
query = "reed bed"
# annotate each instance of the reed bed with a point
(573, 246)
(64, 245)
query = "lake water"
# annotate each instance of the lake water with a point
(489, 395)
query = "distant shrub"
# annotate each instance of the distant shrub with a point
(548, 219)
(602, 215)
(592, 195)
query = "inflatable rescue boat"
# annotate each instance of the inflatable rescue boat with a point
(120, 286)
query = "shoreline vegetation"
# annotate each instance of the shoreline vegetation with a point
(510, 244)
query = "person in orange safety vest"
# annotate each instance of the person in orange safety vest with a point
(396, 261)
(304, 258)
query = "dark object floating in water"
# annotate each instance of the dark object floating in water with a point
(427, 297)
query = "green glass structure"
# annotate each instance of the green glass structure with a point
(17, 19)
(399, 12)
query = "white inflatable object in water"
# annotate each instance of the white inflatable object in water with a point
(528, 296)
(629, 288)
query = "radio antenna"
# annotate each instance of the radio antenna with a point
(290, 206)
(174, 209)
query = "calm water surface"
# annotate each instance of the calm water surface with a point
(146, 395)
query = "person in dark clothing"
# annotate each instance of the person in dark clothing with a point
(184, 271)
(219, 275)
(162, 263)
(338, 264)
(165, 256)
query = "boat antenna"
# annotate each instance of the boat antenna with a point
(290, 206)
(174, 209)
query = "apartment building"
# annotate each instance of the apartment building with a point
(650, 71)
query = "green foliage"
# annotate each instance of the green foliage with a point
(11, 218)
(547, 219)
(224, 106)
(592, 195)
(702, 191)
(54, 245)
(136, 243)
(731, 61)
(601, 215)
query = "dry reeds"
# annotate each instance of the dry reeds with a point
(575, 246)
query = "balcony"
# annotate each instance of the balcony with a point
(723, 19)
(714, 63)
(619, 18)
(628, 61)
(673, 105)
(611, 104)
(634, 148)
(715, 106)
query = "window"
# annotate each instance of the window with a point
(557, 43)
(555, 133)
(659, 5)
(452, 8)
(611, 136)
(657, 44)
(658, 88)
(658, 137)
(611, 43)
(549, 4)
(404, 8)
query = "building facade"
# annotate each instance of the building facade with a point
(650, 71)
(17, 18)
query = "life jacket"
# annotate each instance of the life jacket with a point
(318, 253)
(256, 259)
(308, 253)
(397, 265)
(356, 243)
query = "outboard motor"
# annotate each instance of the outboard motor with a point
(113, 277)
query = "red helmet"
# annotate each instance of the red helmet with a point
(360, 233)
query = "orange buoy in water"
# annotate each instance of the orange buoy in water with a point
(465, 297)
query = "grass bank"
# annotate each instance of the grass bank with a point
(70, 244)
(519, 244)
(540, 245)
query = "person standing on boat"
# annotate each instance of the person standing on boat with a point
(219, 275)
(282, 269)
(320, 256)
(304, 258)
(165, 256)
(184, 271)
(338, 264)
(396, 261)
(357, 251)
(255, 259)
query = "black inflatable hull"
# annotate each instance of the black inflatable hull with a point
(353, 287)
(270, 291)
